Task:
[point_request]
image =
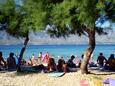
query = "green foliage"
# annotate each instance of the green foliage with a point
(36, 14)
(13, 19)
(80, 15)
(76, 13)
(107, 7)
(31, 15)
(100, 4)
(60, 15)
(5, 9)
(87, 13)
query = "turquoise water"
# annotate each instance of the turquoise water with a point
(57, 50)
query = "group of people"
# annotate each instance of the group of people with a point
(108, 64)
(10, 63)
(48, 64)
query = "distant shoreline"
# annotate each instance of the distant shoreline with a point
(54, 44)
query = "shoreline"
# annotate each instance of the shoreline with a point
(99, 44)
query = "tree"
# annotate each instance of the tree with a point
(20, 19)
(79, 16)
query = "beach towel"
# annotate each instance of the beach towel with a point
(84, 83)
(112, 82)
(97, 83)
(109, 81)
(56, 74)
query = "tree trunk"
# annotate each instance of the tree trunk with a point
(89, 51)
(22, 52)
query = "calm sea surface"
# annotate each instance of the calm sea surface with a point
(57, 50)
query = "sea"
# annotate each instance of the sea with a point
(56, 51)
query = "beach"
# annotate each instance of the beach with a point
(68, 79)
(42, 79)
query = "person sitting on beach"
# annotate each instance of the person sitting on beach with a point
(51, 65)
(45, 59)
(61, 67)
(110, 63)
(79, 61)
(33, 61)
(16, 58)
(2, 61)
(40, 58)
(70, 62)
(63, 60)
(82, 56)
(27, 62)
(100, 60)
(11, 61)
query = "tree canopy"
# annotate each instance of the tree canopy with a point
(20, 19)
(80, 15)
(72, 16)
